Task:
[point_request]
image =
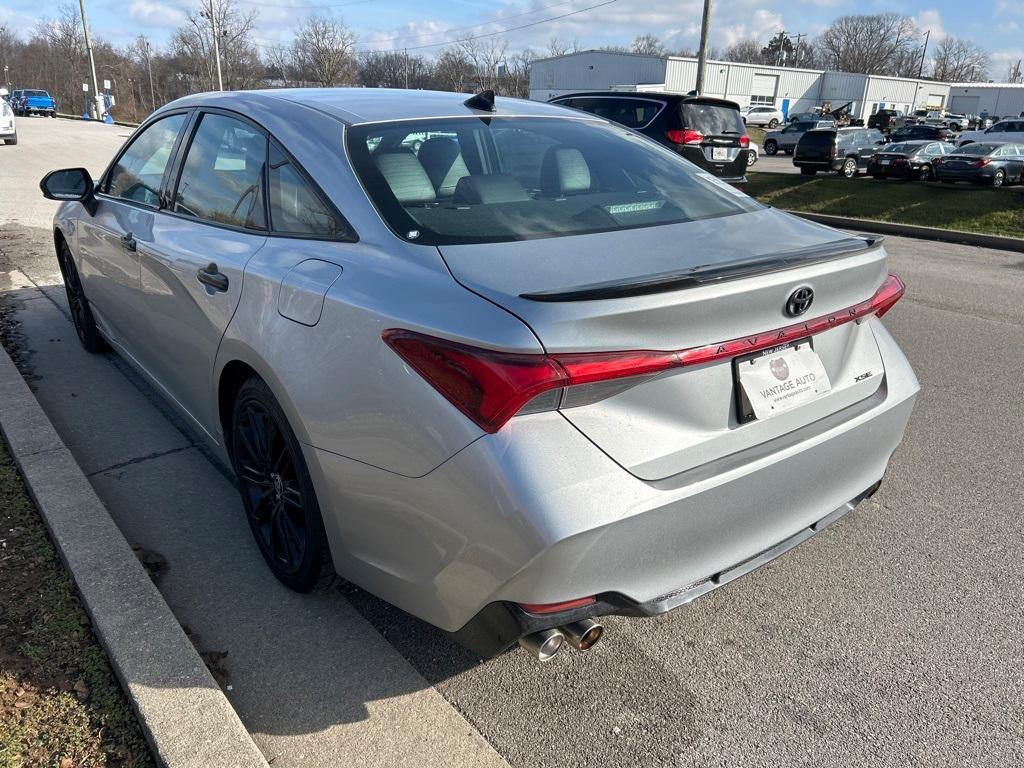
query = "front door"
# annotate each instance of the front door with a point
(191, 277)
(109, 241)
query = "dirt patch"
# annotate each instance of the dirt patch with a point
(60, 704)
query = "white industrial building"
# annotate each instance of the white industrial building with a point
(789, 89)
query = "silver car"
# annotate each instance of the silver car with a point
(785, 139)
(534, 371)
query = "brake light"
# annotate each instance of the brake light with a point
(491, 387)
(744, 141)
(981, 163)
(685, 137)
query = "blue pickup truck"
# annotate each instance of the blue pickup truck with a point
(33, 102)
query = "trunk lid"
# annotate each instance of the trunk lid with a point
(677, 287)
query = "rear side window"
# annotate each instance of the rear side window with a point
(139, 171)
(711, 119)
(295, 207)
(222, 177)
(633, 113)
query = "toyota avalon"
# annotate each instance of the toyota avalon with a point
(510, 366)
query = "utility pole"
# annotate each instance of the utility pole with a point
(92, 63)
(407, 69)
(211, 14)
(924, 52)
(702, 53)
(796, 48)
(149, 65)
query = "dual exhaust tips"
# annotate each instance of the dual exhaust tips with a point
(581, 635)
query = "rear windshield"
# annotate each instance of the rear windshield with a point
(903, 149)
(712, 119)
(818, 139)
(472, 180)
(977, 149)
(37, 93)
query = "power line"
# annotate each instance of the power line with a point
(268, 44)
(305, 6)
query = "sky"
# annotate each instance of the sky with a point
(998, 25)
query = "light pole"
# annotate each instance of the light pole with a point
(149, 65)
(702, 53)
(92, 63)
(211, 14)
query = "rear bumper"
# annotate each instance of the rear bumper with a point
(965, 174)
(820, 165)
(537, 514)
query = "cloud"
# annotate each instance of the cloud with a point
(153, 13)
(931, 19)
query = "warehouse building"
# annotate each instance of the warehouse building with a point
(789, 89)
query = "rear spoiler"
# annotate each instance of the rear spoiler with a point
(710, 273)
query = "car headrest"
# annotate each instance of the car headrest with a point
(564, 172)
(489, 188)
(442, 159)
(406, 177)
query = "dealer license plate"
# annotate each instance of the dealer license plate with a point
(886, 161)
(778, 380)
(719, 153)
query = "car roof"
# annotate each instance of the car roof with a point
(678, 97)
(368, 105)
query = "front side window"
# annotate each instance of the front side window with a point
(521, 178)
(295, 208)
(222, 177)
(139, 171)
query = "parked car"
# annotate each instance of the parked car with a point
(955, 122)
(919, 133)
(8, 128)
(1004, 130)
(760, 115)
(983, 163)
(797, 117)
(425, 384)
(706, 131)
(908, 160)
(887, 120)
(785, 139)
(35, 102)
(843, 150)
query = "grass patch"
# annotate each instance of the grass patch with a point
(960, 207)
(756, 135)
(60, 705)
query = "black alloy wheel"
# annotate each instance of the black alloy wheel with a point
(925, 174)
(771, 147)
(81, 314)
(277, 492)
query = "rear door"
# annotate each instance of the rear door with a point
(192, 271)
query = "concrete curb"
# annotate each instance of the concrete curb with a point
(922, 233)
(79, 117)
(185, 716)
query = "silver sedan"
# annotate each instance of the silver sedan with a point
(508, 366)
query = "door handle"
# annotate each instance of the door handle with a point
(212, 277)
(129, 242)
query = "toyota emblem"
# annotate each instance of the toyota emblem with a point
(799, 301)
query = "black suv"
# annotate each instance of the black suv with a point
(887, 120)
(708, 132)
(843, 150)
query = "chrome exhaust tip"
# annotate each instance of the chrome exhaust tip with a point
(543, 645)
(583, 635)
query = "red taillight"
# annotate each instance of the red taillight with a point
(744, 141)
(685, 137)
(491, 387)
(568, 605)
(981, 163)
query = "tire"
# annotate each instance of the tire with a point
(998, 178)
(809, 171)
(771, 147)
(849, 169)
(78, 304)
(53, 114)
(11, 141)
(277, 492)
(925, 174)
(751, 157)
(773, 123)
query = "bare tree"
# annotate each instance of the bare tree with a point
(193, 44)
(958, 60)
(280, 64)
(1013, 72)
(881, 44)
(647, 45)
(324, 51)
(556, 47)
(453, 70)
(747, 51)
(485, 56)
(516, 80)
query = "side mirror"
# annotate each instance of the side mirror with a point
(70, 184)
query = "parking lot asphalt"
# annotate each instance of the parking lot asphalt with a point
(892, 639)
